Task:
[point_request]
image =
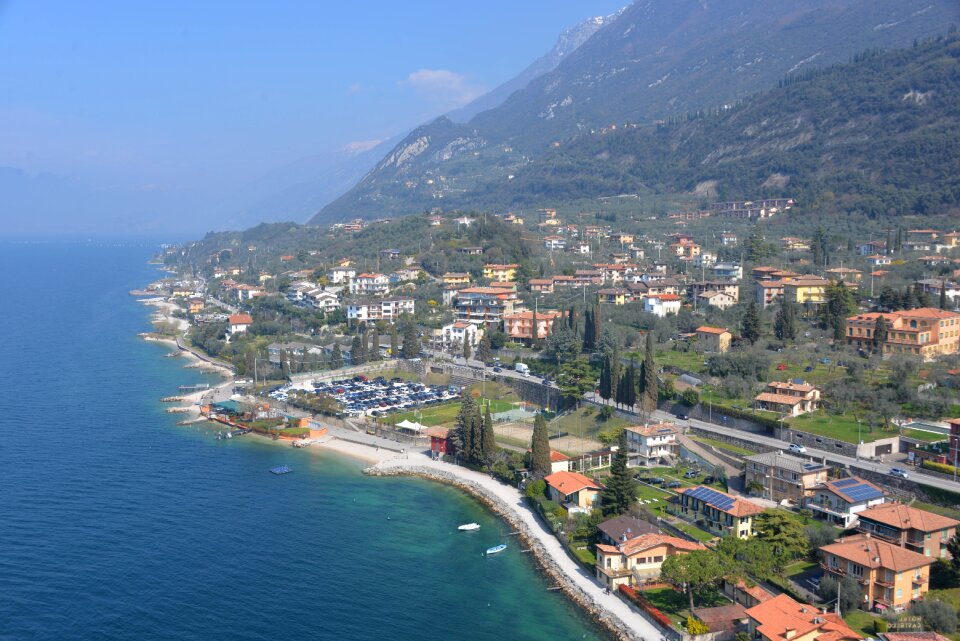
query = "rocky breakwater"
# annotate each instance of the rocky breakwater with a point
(534, 536)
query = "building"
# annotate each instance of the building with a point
(239, 323)
(554, 242)
(917, 530)
(788, 399)
(460, 333)
(806, 290)
(573, 491)
(339, 275)
(926, 331)
(623, 528)
(892, 577)
(456, 278)
(614, 296)
(661, 304)
(374, 310)
(713, 340)
(718, 512)
(768, 292)
(783, 619)
(783, 477)
(369, 283)
(485, 305)
(873, 247)
(792, 243)
(878, 260)
(519, 325)
(638, 559)
(838, 502)
(752, 209)
(651, 443)
(728, 239)
(720, 300)
(541, 285)
(471, 251)
(502, 273)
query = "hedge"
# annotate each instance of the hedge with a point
(658, 616)
(943, 468)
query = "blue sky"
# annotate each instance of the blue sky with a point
(198, 96)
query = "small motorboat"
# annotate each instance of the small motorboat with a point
(469, 527)
(496, 549)
(281, 469)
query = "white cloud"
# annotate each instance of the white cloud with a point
(447, 88)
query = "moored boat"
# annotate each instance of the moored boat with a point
(469, 527)
(281, 469)
(496, 549)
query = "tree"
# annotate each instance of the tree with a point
(358, 355)
(752, 324)
(621, 490)
(534, 330)
(540, 448)
(411, 342)
(394, 342)
(466, 349)
(483, 349)
(488, 439)
(606, 380)
(649, 386)
(880, 332)
(783, 533)
(817, 536)
(562, 344)
(336, 357)
(589, 338)
(695, 626)
(937, 615)
(785, 324)
(840, 303)
(630, 386)
(697, 570)
(575, 380)
(757, 247)
(469, 430)
(943, 294)
(851, 594)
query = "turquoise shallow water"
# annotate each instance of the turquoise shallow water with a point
(117, 524)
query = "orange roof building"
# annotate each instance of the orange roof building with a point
(574, 491)
(783, 619)
(922, 532)
(926, 331)
(718, 512)
(639, 558)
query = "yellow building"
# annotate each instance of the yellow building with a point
(613, 296)
(456, 278)
(573, 490)
(502, 273)
(892, 577)
(639, 558)
(803, 291)
(717, 512)
(714, 340)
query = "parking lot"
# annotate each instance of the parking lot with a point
(360, 396)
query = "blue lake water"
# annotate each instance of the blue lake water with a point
(115, 523)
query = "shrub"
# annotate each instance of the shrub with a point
(879, 626)
(606, 412)
(696, 626)
(690, 398)
(536, 489)
(937, 615)
(659, 617)
(939, 467)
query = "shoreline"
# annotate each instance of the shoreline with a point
(549, 555)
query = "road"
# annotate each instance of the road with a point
(812, 454)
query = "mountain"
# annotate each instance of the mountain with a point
(657, 59)
(568, 42)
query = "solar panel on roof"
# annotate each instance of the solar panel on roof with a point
(846, 482)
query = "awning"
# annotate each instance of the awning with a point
(410, 426)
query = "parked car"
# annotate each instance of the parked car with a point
(656, 481)
(683, 417)
(796, 448)
(815, 582)
(673, 484)
(497, 369)
(689, 474)
(707, 480)
(899, 473)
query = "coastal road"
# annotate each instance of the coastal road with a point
(812, 454)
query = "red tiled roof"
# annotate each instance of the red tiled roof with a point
(704, 329)
(241, 319)
(874, 553)
(904, 517)
(781, 615)
(570, 482)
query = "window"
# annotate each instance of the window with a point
(658, 559)
(899, 592)
(855, 570)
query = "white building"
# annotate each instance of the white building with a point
(650, 443)
(661, 304)
(727, 271)
(369, 284)
(704, 259)
(379, 309)
(838, 502)
(554, 242)
(339, 275)
(460, 332)
(239, 323)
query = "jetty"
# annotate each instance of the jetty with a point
(199, 387)
(171, 399)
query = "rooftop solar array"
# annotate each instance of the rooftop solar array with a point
(846, 482)
(857, 489)
(712, 497)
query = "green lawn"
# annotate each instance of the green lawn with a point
(586, 422)
(799, 568)
(733, 449)
(446, 413)
(645, 491)
(842, 427)
(676, 605)
(860, 621)
(701, 535)
(929, 437)
(953, 513)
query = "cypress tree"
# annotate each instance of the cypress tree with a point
(785, 325)
(411, 342)
(468, 437)
(540, 449)
(752, 327)
(589, 338)
(630, 387)
(483, 350)
(651, 389)
(597, 319)
(356, 351)
(394, 342)
(620, 396)
(943, 294)
(336, 357)
(488, 439)
(606, 380)
(880, 333)
(620, 491)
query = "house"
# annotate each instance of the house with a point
(195, 305)
(622, 238)
(838, 502)
(792, 243)
(727, 239)
(582, 248)
(892, 577)
(614, 296)
(768, 292)
(806, 290)
(704, 259)
(541, 285)
(574, 491)
(639, 559)
(846, 274)
(455, 278)
(651, 443)
(713, 340)
(712, 298)
(873, 247)
(459, 333)
(718, 512)
(933, 286)
(503, 273)
(727, 271)
(623, 528)
(390, 254)
(746, 595)
(926, 331)
(731, 289)
(239, 323)
(471, 251)
(554, 242)
(559, 462)
(661, 304)
(752, 210)
(369, 283)
(339, 275)
(912, 636)
(518, 326)
(878, 260)
(917, 530)
(248, 292)
(783, 477)
(441, 441)
(325, 300)
(788, 399)
(374, 310)
(486, 305)
(783, 619)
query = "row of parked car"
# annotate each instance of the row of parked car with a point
(378, 396)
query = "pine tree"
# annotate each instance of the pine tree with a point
(488, 439)
(752, 325)
(336, 357)
(357, 356)
(785, 325)
(620, 491)
(483, 350)
(394, 342)
(540, 449)
(651, 388)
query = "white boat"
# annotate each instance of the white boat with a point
(496, 549)
(469, 527)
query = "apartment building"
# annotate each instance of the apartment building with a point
(374, 310)
(927, 332)
(784, 477)
(485, 305)
(718, 512)
(917, 530)
(839, 502)
(502, 273)
(518, 326)
(649, 444)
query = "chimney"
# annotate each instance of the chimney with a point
(789, 633)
